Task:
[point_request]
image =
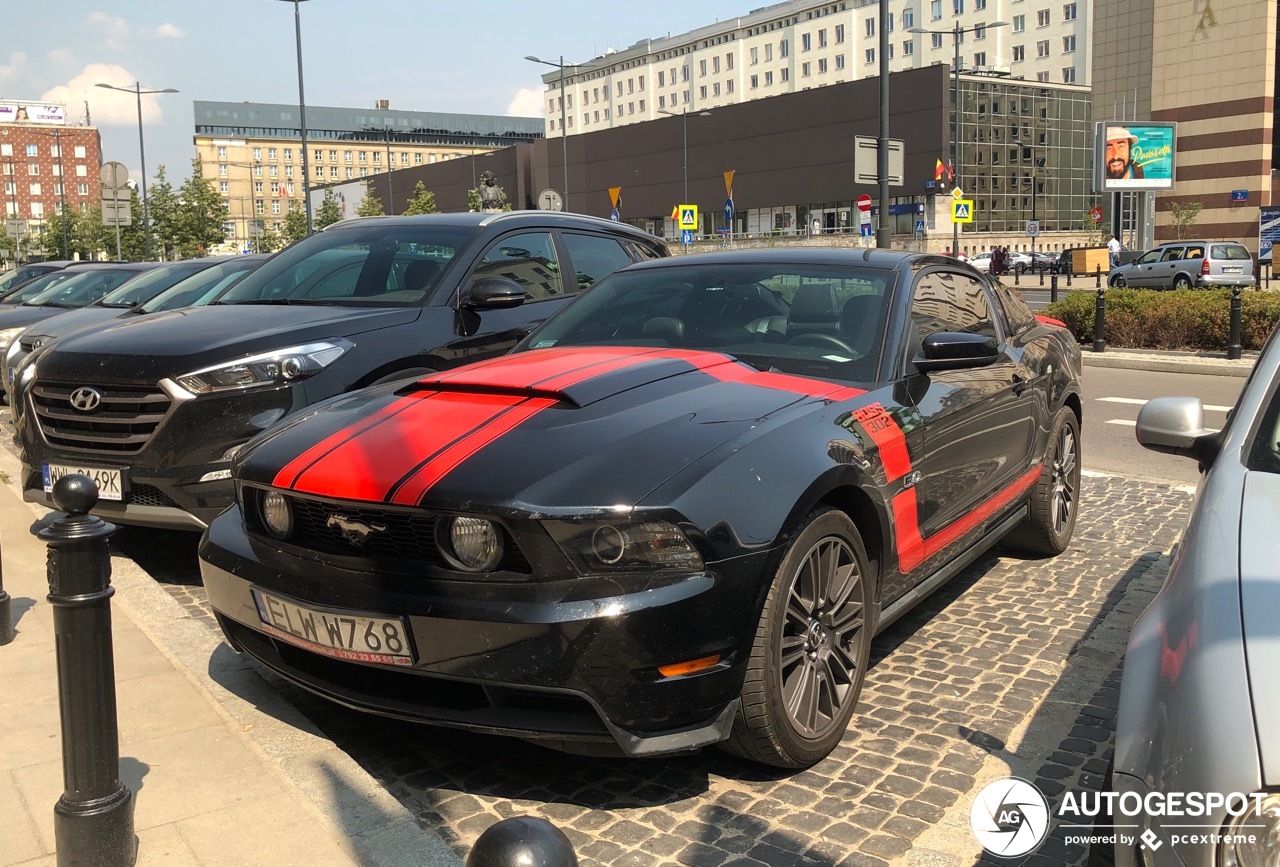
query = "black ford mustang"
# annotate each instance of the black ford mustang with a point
(675, 516)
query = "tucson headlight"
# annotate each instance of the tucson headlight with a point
(624, 546)
(9, 339)
(277, 514)
(470, 544)
(268, 368)
(1261, 823)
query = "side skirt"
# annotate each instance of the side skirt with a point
(913, 596)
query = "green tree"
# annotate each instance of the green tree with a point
(370, 206)
(200, 215)
(423, 201)
(330, 211)
(132, 236)
(1184, 216)
(270, 241)
(163, 208)
(295, 225)
(52, 240)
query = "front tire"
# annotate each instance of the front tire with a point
(1047, 530)
(1118, 282)
(811, 648)
(1182, 281)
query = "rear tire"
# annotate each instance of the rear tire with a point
(812, 643)
(1047, 530)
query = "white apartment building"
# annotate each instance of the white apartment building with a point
(801, 44)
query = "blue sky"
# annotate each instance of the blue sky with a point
(422, 55)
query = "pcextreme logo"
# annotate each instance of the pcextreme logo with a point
(1010, 817)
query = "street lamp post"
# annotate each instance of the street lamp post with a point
(391, 194)
(956, 32)
(1031, 148)
(137, 91)
(564, 129)
(684, 121)
(302, 113)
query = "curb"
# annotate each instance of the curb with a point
(1168, 363)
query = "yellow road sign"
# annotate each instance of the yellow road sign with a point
(957, 193)
(688, 216)
(962, 211)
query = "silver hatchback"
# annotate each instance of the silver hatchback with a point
(1187, 264)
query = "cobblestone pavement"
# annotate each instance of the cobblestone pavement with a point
(1012, 667)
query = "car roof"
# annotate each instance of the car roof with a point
(886, 260)
(556, 219)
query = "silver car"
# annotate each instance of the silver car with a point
(1187, 264)
(1200, 697)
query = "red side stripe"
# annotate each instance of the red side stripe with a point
(366, 467)
(413, 489)
(289, 474)
(913, 550)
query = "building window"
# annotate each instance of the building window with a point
(35, 189)
(908, 18)
(351, 172)
(806, 41)
(702, 70)
(333, 156)
(257, 171)
(822, 65)
(257, 153)
(840, 34)
(1069, 12)
(786, 74)
(222, 153)
(755, 82)
(33, 150)
(755, 58)
(715, 66)
(1068, 44)
(768, 78)
(805, 69)
(979, 31)
(702, 92)
(957, 7)
(288, 171)
(980, 58)
(37, 210)
(979, 5)
(275, 206)
(333, 171)
(259, 207)
(935, 10)
(840, 59)
(728, 64)
(364, 173)
(729, 86)
(1042, 76)
(288, 155)
(1042, 18)
(768, 51)
(82, 171)
(222, 170)
(871, 55)
(6, 150)
(271, 153)
(1018, 55)
(257, 187)
(908, 48)
(273, 171)
(937, 40)
(224, 187)
(377, 158)
(715, 89)
(870, 26)
(1019, 23)
(82, 189)
(784, 49)
(347, 156)
(1068, 75)
(1042, 48)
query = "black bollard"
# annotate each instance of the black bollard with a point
(6, 611)
(1041, 270)
(93, 820)
(1233, 345)
(522, 841)
(1053, 287)
(1097, 275)
(1017, 277)
(1099, 321)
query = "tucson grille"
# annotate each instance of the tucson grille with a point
(409, 539)
(121, 421)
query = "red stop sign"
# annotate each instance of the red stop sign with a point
(864, 202)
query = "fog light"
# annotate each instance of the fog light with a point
(276, 514)
(473, 545)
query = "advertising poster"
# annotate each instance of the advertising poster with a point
(30, 112)
(1134, 155)
(1268, 232)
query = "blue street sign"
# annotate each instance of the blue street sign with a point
(615, 216)
(728, 210)
(866, 230)
(919, 227)
(1239, 195)
(686, 236)
(919, 207)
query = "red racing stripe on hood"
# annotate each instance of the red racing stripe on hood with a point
(368, 465)
(287, 476)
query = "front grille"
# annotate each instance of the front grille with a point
(409, 538)
(122, 423)
(149, 495)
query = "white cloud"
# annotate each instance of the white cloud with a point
(168, 31)
(112, 31)
(108, 107)
(17, 62)
(526, 103)
(61, 56)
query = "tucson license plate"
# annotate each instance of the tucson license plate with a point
(340, 634)
(110, 482)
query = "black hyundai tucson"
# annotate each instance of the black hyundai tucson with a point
(154, 409)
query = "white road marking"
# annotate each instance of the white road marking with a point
(1133, 423)
(1139, 402)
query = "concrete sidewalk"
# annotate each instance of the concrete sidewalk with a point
(1206, 363)
(224, 770)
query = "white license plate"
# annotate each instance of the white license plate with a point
(1232, 270)
(110, 482)
(339, 634)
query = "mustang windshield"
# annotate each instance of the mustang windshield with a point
(379, 265)
(812, 320)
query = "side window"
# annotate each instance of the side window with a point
(594, 257)
(1194, 253)
(1172, 254)
(947, 301)
(640, 252)
(529, 259)
(1018, 315)
(1148, 258)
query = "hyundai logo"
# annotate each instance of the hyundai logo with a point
(353, 531)
(86, 399)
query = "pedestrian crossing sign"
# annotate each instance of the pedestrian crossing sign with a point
(962, 211)
(688, 216)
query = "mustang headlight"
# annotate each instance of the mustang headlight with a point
(268, 368)
(276, 514)
(470, 544)
(9, 339)
(623, 546)
(1261, 823)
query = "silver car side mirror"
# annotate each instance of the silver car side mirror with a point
(1175, 426)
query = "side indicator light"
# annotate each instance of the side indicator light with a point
(677, 669)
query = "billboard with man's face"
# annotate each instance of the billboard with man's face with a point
(1134, 155)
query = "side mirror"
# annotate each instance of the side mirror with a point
(955, 350)
(1175, 426)
(492, 293)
